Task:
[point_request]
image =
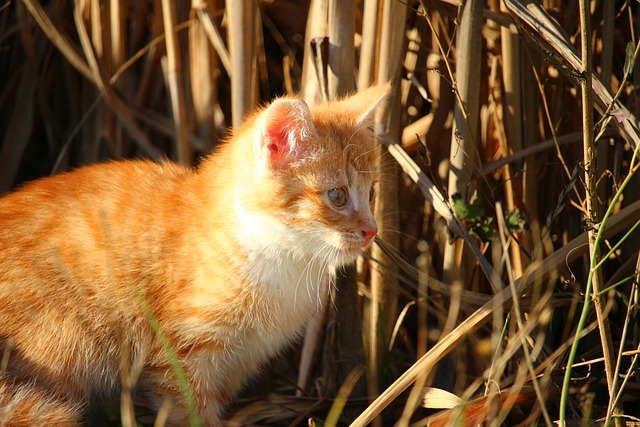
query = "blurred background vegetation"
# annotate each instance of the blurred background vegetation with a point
(507, 227)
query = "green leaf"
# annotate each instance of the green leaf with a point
(476, 210)
(515, 222)
(460, 207)
(629, 62)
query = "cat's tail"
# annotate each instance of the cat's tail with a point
(26, 405)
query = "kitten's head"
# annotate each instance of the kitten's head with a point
(318, 166)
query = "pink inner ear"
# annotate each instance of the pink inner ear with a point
(286, 124)
(277, 144)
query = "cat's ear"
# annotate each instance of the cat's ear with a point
(285, 130)
(372, 100)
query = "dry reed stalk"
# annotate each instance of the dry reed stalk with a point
(118, 43)
(313, 90)
(412, 58)
(524, 334)
(174, 77)
(344, 350)
(118, 34)
(115, 102)
(316, 29)
(203, 64)
(368, 44)
(63, 44)
(463, 154)
(213, 34)
(512, 117)
(343, 346)
(384, 297)
(101, 128)
(617, 389)
(311, 347)
(589, 152)
(242, 49)
(342, 27)
(439, 203)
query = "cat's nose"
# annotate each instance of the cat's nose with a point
(369, 233)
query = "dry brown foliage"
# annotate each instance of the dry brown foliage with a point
(482, 297)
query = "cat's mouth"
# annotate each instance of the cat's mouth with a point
(353, 244)
(353, 249)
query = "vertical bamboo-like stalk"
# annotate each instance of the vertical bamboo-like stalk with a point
(344, 349)
(118, 49)
(367, 66)
(202, 63)
(342, 27)
(182, 151)
(93, 136)
(317, 22)
(592, 197)
(118, 35)
(317, 26)
(369, 43)
(512, 119)
(464, 152)
(242, 46)
(382, 313)
(595, 282)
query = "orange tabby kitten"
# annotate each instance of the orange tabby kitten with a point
(228, 258)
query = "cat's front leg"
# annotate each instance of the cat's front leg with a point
(208, 412)
(202, 399)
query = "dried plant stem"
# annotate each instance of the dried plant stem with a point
(202, 63)
(592, 192)
(213, 34)
(512, 118)
(59, 40)
(517, 313)
(316, 28)
(342, 23)
(616, 391)
(114, 101)
(242, 48)
(463, 154)
(603, 228)
(369, 43)
(181, 150)
(384, 296)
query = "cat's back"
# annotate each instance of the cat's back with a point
(77, 232)
(79, 202)
(96, 186)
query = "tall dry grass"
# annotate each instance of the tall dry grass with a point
(517, 295)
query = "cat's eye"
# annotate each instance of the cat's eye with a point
(372, 194)
(337, 197)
